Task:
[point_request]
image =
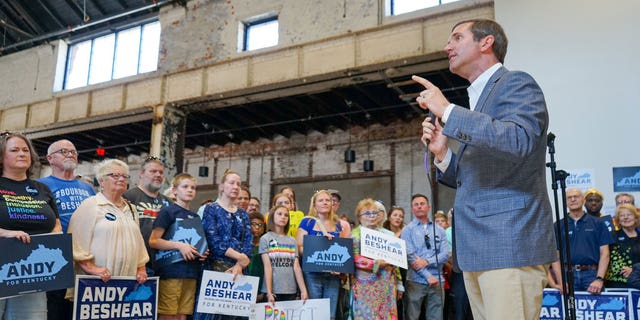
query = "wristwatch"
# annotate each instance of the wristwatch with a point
(599, 278)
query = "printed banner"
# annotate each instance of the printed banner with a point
(323, 255)
(119, 298)
(219, 294)
(626, 179)
(288, 310)
(551, 305)
(44, 264)
(613, 305)
(183, 230)
(582, 179)
(635, 304)
(379, 245)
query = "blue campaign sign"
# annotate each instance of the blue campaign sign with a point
(323, 255)
(626, 179)
(635, 303)
(44, 264)
(119, 298)
(551, 305)
(607, 305)
(182, 230)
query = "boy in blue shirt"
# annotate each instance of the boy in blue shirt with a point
(177, 289)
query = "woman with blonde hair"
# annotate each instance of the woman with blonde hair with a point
(228, 232)
(322, 221)
(376, 284)
(626, 250)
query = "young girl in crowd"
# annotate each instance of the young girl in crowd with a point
(322, 221)
(281, 265)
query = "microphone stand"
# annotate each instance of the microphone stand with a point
(563, 237)
(428, 168)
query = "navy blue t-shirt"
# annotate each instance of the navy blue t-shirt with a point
(586, 236)
(183, 269)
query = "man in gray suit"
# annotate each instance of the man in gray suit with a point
(503, 226)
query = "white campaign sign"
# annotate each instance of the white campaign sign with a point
(379, 245)
(219, 294)
(311, 309)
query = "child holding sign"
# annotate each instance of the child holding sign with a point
(177, 289)
(280, 257)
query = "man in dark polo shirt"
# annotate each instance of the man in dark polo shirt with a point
(589, 242)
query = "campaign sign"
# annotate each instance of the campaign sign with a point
(323, 255)
(118, 298)
(635, 303)
(607, 305)
(295, 309)
(626, 179)
(219, 294)
(44, 264)
(182, 230)
(380, 245)
(551, 305)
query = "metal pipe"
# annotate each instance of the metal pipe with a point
(59, 33)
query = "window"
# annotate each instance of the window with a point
(260, 34)
(113, 56)
(403, 6)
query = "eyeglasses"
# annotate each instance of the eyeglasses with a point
(151, 159)
(623, 201)
(117, 176)
(257, 224)
(369, 213)
(427, 241)
(65, 152)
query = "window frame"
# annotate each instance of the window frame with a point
(252, 23)
(141, 26)
(390, 10)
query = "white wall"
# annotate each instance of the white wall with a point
(584, 56)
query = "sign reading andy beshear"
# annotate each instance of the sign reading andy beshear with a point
(220, 294)
(42, 265)
(323, 255)
(379, 245)
(118, 298)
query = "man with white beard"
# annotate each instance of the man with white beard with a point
(69, 193)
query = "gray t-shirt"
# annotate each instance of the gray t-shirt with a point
(282, 252)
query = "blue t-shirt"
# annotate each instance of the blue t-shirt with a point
(307, 224)
(183, 269)
(586, 236)
(69, 194)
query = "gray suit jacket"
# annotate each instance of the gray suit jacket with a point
(502, 214)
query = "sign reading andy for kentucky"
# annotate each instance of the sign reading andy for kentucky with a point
(118, 298)
(626, 179)
(323, 255)
(42, 265)
(606, 306)
(292, 310)
(379, 245)
(182, 230)
(220, 294)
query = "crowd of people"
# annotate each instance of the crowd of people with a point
(498, 235)
(108, 240)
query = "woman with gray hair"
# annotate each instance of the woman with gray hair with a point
(106, 235)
